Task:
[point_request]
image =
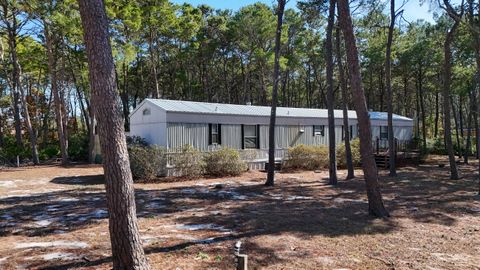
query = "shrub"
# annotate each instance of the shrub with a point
(78, 146)
(10, 150)
(355, 149)
(224, 162)
(311, 157)
(188, 162)
(136, 141)
(147, 162)
(51, 151)
(436, 146)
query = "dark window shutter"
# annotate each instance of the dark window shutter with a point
(209, 134)
(219, 134)
(313, 130)
(243, 137)
(258, 137)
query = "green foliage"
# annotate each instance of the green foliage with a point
(306, 157)
(202, 256)
(147, 162)
(50, 151)
(11, 150)
(188, 162)
(224, 162)
(436, 146)
(355, 149)
(78, 146)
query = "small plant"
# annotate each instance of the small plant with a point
(147, 162)
(224, 162)
(202, 256)
(218, 258)
(306, 157)
(189, 162)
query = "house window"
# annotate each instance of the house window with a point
(351, 133)
(383, 132)
(318, 130)
(250, 136)
(214, 133)
(146, 112)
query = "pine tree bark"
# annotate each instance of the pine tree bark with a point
(57, 100)
(437, 115)
(447, 69)
(468, 143)
(127, 250)
(332, 168)
(388, 84)
(422, 107)
(343, 85)
(11, 28)
(276, 71)
(375, 200)
(28, 124)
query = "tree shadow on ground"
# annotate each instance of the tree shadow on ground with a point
(85, 180)
(300, 206)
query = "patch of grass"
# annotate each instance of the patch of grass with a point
(202, 256)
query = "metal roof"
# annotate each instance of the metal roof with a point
(247, 110)
(384, 116)
(251, 110)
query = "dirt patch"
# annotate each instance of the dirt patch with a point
(55, 218)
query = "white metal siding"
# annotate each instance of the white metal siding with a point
(180, 134)
(232, 136)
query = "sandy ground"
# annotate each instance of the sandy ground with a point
(53, 217)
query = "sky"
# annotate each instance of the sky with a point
(412, 10)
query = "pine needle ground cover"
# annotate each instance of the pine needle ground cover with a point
(55, 218)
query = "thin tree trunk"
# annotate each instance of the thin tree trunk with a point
(276, 71)
(12, 42)
(127, 250)
(332, 168)
(422, 108)
(468, 144)
(58, 102)
(388, 84)
(92, 138)
(28, 123)
(375, 201)
(447, 66)
(455, 121)
(343, 85)
(437, 115)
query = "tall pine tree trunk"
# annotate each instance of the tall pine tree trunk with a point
(57, 100)
(447, 69)
(422, 108)
(332, 168)
(388, 84)
(343, 86)
(375, 200)
(127, 250)
(28, 123)
(273, 115)
(468, 143)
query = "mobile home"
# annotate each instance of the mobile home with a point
(205, 126)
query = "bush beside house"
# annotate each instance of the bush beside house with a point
(224, 162)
